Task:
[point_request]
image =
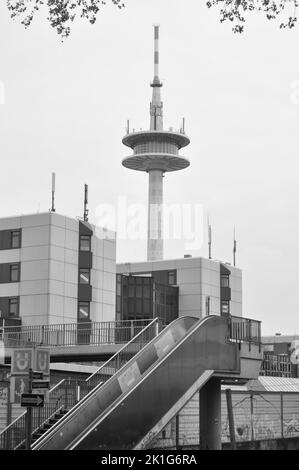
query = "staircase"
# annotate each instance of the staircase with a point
(44, 428)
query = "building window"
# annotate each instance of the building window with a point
(224, 280)
(85, 243)
(84, 277)
(172, 278)
(84, 311)
(14, 273)
(16, 239)
(208, 303)
(13, 307)
(224, 307)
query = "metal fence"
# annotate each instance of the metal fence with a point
(257, 416)
(61, 397)
(262, 415)
(277, 365)
(71, 334)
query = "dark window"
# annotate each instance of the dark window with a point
(224, 280)
(85, 243)
(208, 302)
(13, 307)
(225, 307)
(84, 277)
(172, 278)
(14, 273)
(83, 310)
(16, 239)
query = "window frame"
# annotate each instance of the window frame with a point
(13, 268)
(14, 301)
(85, 237)
(227, 303)
(12, 237)
(80, 306)
(88, 271)
(224, 277)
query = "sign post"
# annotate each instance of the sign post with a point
(28, 418)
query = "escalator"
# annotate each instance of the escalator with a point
(119, 413)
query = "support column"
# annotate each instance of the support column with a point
(155, 202)
(210, 415)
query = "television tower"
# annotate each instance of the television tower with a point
(156, 152)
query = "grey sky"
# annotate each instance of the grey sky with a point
(66, 109)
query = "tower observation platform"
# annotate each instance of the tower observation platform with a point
(156, 151)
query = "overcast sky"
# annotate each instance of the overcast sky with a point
(66, 107)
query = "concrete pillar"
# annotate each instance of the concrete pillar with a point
(155, 201)
(210, 415)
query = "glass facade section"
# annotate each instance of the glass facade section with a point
(140, 297)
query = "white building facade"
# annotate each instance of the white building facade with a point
(55, 269)
(206, 287)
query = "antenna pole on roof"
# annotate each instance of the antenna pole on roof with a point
(85, 215)
(53, 192)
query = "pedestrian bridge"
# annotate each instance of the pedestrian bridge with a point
(98, 341)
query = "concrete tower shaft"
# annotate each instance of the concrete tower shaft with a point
(156, 151)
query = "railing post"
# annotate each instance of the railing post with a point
(251, 416)
(281, 415)
(157, 327)
(3, 328)
(230, 413)
(131, 329)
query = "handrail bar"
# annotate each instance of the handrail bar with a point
(155, 320)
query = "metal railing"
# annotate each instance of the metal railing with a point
(122, 356)
(244, 329)
(276, 365)
(72, 334)
(61, 396)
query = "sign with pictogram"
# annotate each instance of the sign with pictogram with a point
(21, 361)
(42, 361)
(18, 386)
(29, 399)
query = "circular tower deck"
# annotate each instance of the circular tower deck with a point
(156, 150)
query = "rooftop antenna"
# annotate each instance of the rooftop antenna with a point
(235, 246)
(183, 125)
(128, 126)
(85, 215)
(53, 192)
(210, 238)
